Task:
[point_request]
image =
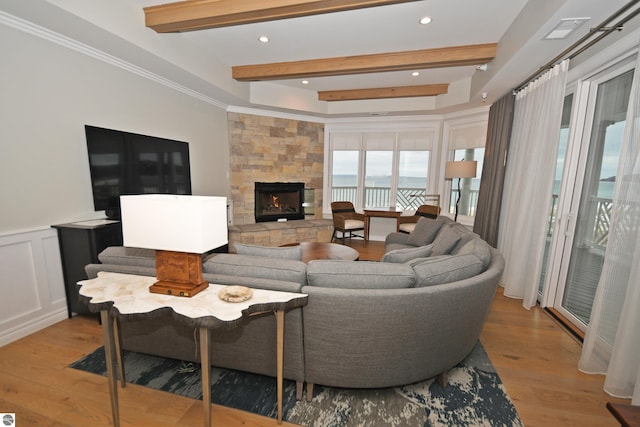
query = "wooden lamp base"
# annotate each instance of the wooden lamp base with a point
(179, 274)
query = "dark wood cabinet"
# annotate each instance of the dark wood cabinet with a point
(80, 244)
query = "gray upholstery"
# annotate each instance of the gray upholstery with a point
(477, 247)
(445, 269)
(122, 255)
(445, 241)
(407, 254)
(387, 337)
(359, 275)
(288, 252)
(257, 266)
(367, 324)
(426, 230)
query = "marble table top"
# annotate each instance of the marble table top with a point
(128, 295)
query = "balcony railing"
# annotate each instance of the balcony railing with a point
(467, 205)
(601, 220)
(407, 198)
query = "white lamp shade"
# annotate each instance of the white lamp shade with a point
(194, 224)
(462, 169)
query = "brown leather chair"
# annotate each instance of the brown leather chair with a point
(406, 224)
(346, 220)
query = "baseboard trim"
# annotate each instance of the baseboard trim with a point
(33, 326)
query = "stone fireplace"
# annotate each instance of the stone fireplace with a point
(279, 201)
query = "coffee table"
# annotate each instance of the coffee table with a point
(322, 250)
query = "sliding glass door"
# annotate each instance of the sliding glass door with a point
(553, 213)
(579, 221)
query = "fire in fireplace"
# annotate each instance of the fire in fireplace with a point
(279, 201)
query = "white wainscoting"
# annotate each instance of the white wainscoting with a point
(31, 284)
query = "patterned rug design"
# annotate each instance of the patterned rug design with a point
(474, 396)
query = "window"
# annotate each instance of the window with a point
(380, 169)
(469, 187)
(345, 176)
(466, 142)
(377, 179)
(412, 179)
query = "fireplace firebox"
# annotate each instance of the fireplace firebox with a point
(279, 201)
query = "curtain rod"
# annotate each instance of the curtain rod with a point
(603, 28)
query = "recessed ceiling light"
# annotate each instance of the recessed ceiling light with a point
(425, 20)
(415, 74)
(305, 82)
(264, 39)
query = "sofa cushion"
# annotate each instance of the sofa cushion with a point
(287, 252)
(478, 247)
(445, 241)
(407, 254)
(425, 231)
(445, 269)
(256, 266)
(393, 246)
(123, 255)
(359, 274)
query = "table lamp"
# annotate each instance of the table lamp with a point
(180, 229)
(461, 169)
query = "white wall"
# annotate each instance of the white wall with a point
(48, 92)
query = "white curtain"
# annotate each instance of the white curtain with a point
(612, 340)
(528, 182)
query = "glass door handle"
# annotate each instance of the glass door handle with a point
(567, 228)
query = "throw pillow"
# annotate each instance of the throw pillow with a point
(287, 252)
(424, 232)
(407, 254)
(445, 241)
(479, 248)
(445, 269)
(123, 255)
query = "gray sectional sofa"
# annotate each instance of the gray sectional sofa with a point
(412, 316)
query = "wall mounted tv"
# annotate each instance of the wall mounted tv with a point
(128, 163)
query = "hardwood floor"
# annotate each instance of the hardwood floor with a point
(535, 358)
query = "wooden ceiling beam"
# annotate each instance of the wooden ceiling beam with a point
(383, 62)
(193, 15)
(384, 92)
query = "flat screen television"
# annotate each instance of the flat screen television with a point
(128, 163)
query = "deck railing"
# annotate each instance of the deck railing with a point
(407, 198)
(467, 205)
(601, 220)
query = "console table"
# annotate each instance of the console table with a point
(121, 296)
(378, 212)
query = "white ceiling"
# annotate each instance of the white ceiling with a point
(201, 61)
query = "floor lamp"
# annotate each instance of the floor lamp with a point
(461, 169)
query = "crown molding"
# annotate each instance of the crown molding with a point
(69, 43)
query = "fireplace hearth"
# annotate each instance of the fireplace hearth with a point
(279, 201)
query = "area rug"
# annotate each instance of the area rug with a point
(474, 396)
